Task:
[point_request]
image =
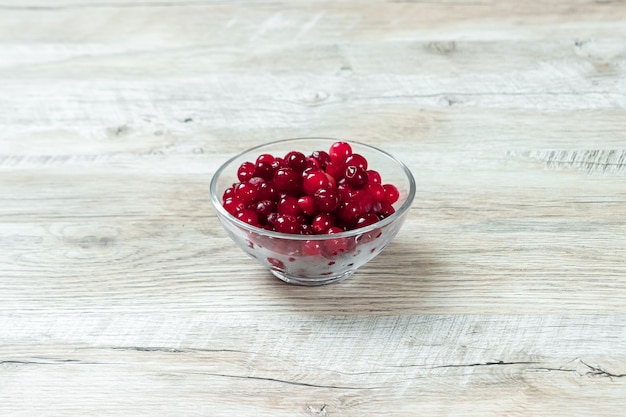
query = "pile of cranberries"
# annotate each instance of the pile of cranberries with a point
(322, 193)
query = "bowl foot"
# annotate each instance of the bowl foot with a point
(315, 281)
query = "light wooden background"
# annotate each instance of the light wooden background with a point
(504, 295)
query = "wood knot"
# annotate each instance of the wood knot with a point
(441, 47)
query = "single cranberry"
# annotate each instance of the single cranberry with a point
(280, 162)
(265, 157)
(312, 163)
(386, 210)
(246, 171)
(348, 212)
(233, 205)
(322, 222)
(339, 151)
(373, 177)
(286, 223)
(355, 176)
(287, 180)
(357, 160)
(391, 194)
(289, 205)
(246, 192)
(326, 199)
(322, 158)
(263, 209)
(228, 193)
(334, 247)
(376, 191)
(296, 161)
(308, 206)
(265, 170)
(248, 216)
(366, 220)
(311, 248)
(313, 181)
(267, 191)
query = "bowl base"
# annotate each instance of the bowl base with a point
(311, 282)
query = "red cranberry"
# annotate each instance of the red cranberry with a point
(366, 220)
(308, 206)
(322, 158)
(287, 180)
(228, 193)
(339, 151)
(286, 223)
(280, 162)
(349, 211)
(334, 247)
(264, 208)
(386, 210)
(265, 157)
(246, 171)
(289, 205)
(296, 161)
(276, 263)
(326, 199)
(313, 181)
(364, 200)
(335, 170)
(267, 191)
(357, 160)
(246, 192)
(248, 216)
(373, 177)
(376, 191)
(355, 176)
(345, 192)
(322, 222)
(233, 205)
(312, 163)
(265, 170)
(391, 194)
(311, 248)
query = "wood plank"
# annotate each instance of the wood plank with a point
(532, 365)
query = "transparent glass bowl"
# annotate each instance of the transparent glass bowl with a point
(315, 259)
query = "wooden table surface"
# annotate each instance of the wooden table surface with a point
(503, 295)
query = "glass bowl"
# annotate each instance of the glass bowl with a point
(315, 259)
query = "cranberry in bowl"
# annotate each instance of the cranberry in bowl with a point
(312, 210)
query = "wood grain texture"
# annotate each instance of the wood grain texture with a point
(503, 295)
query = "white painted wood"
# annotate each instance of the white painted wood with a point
(504, 293)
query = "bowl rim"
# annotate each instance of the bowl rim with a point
(215, 199)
